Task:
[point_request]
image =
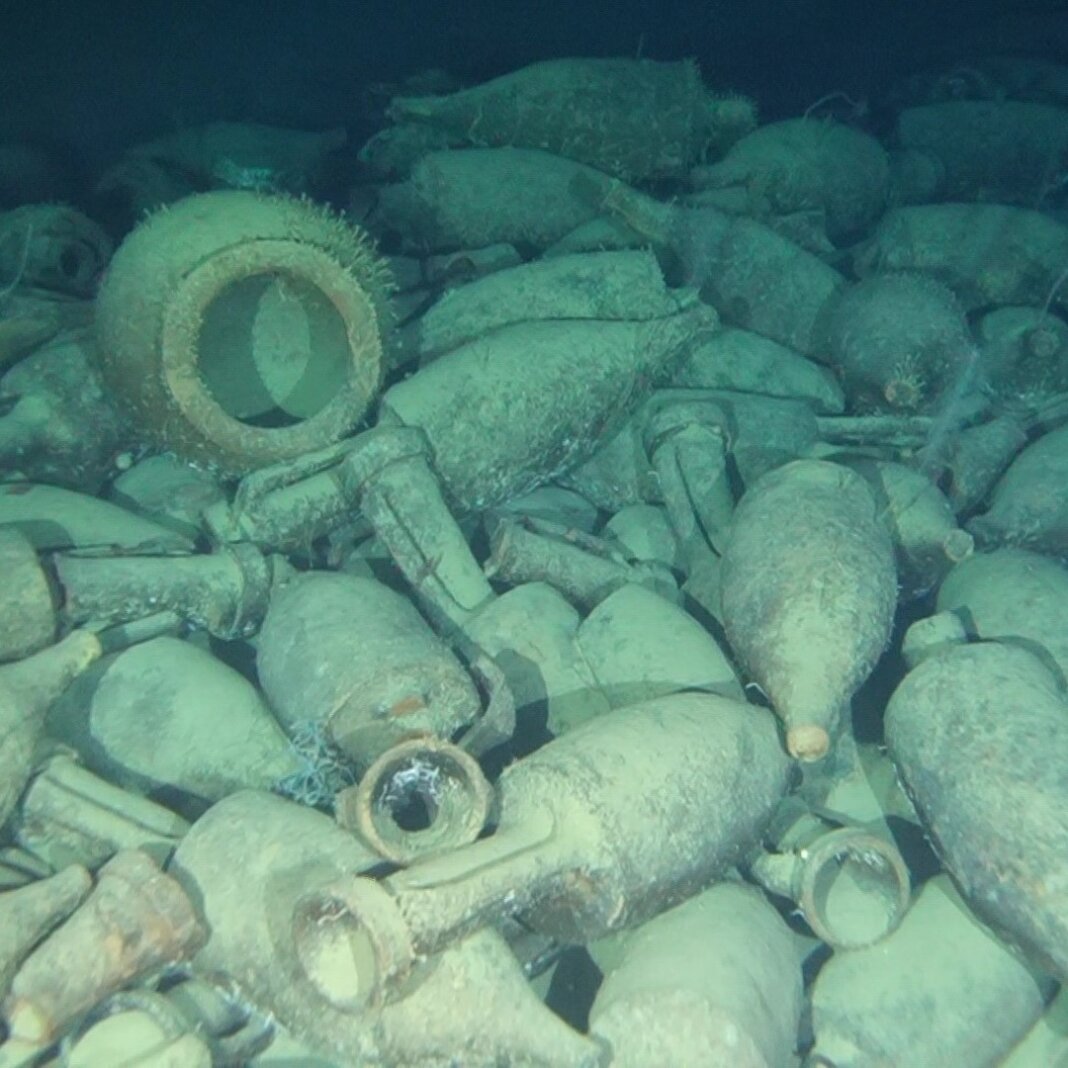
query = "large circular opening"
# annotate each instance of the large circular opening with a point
(420, 797)
(268, 349)
(335, 952)
(272, 350)
(855, 889)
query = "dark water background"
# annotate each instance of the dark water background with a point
(92, 77)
